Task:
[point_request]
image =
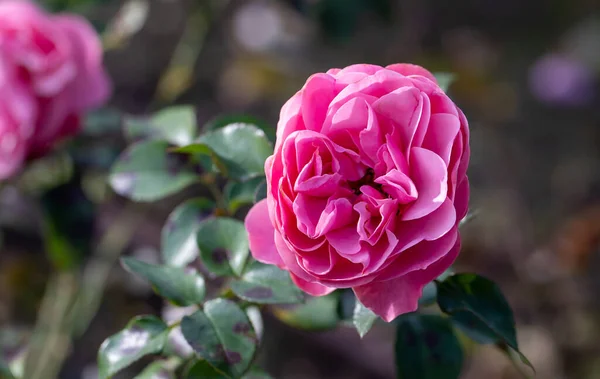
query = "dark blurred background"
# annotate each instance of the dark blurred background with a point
(527, 78)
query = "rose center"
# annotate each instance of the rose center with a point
(367, 180)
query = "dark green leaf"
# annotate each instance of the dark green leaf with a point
(143, 336)
(157, 370)
(429, 296)
(241, 150)
(69, 221)
(317, 313)
(178, 240)
(172, 283)
(444, 79)
(257, 373)
(203, 370)
(346, 304)
(193, 148)
(363, 318)
(477, 306)
(223, 245)
(238, 194)
(261, 192)
(102, 121)
(426, 348)
(145, 171)
(266, 284)
(222, 335)
(201, 154)
(176, 124)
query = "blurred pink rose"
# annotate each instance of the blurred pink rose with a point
(366, 186)
(50, 72)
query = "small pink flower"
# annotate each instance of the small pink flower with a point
(366, 186)
(50, 72)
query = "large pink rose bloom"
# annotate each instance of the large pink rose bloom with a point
(366, 186)
(50, 72)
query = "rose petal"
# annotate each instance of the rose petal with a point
(311, 288)
(290, 259)
(92, 86)
(399, 186)
(317, 93)
(290, 119)
(261, 235)
(308, 209)
(461, 200)
(317, 262)
(441, 103)
(362, 68)
(380, 83)
(345, 240)
(403, 107)
(419, 257)
(442, 131)
(12, 147)
(408, 69)
(430, 175)
(336, 214)
(391, 298)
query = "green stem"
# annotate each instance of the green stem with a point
(209, 181)
(96, 273)
(51, 339)
(68, 307)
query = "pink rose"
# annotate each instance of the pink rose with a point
(366, 186)
(50, 72)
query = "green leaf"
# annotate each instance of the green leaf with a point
(203, 370)
(241, 150)
(317, 313)
(346, 304)
(176, 124)
(5, 372)
(266, 284)
(363, 318)
(144, 335)
(478, 307)
(257, 373)
(426, 348)
(444, 79)
(221, 334)
(429, 296)
(222, 121)
(173, 283)
(223, 245)
(238, 194)
(157, 370)
(261, 192)
(145, 171)
(178, 239)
